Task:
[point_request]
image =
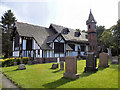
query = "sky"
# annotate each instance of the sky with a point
(69, 13)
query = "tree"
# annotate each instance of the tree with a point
(8, 20)
(107, 39)
(7, 24)
(99, 30)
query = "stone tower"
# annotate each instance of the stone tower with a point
(92, 35)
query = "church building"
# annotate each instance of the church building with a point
(53, 42)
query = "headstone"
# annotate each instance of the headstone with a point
(70, 67)
(115, 60)
(54, 66)
(103, 62)
(91, 62)
(62, 65)
(21, 67)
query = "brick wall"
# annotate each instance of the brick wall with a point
(47, 60)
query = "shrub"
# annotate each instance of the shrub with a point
(10, 61)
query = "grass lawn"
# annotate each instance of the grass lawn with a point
(41, 76)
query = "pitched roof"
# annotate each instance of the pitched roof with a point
(52, 37)
(70, 36)
(68, 48)
(44, 35)
(90, 18)
(37, 32)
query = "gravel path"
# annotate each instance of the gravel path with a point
(6, 83)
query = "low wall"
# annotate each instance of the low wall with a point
(47, 60)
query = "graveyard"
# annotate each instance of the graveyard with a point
(43, 76)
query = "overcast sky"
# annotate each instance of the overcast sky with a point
(69, 13)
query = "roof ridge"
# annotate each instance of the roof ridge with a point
(31, 24)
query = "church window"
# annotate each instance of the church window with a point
(89, 27)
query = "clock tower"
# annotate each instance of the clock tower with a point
(92, 35)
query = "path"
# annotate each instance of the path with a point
(6, 83)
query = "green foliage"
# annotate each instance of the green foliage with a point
(99, 30)
(49, 78)
(7, 24)
(8, 20)
(10, 61)
(78, 30)
(107, 38)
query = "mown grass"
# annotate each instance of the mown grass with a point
(42, 76)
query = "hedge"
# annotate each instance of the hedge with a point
(10, 61)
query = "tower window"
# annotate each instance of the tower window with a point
(89, 27)
(95, 26)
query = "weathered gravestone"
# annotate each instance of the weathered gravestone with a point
(62, 65)
(103, 62)
(70, 67)
(21, 67)
(115, 60)
(90, 62)
(54, 66)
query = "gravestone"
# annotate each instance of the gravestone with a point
(103, 62)
(115, 60)
(21, 67)
(54, 66)
(70, 67)
(91, 62)
(62, 65)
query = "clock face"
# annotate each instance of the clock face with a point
(92, 20)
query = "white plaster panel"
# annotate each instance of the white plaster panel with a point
(24, 45)
(16, 53)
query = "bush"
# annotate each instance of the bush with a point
(10, 61)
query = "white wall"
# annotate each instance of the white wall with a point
(86, 47)
(16, 53)
(13, 44)
(24, 44)
(35, 45)
(76, 47)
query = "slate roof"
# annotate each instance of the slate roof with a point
(70, 36)
(37, 32)
(90, 18)
(52, 37)
(45, 35)
(68, 48)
